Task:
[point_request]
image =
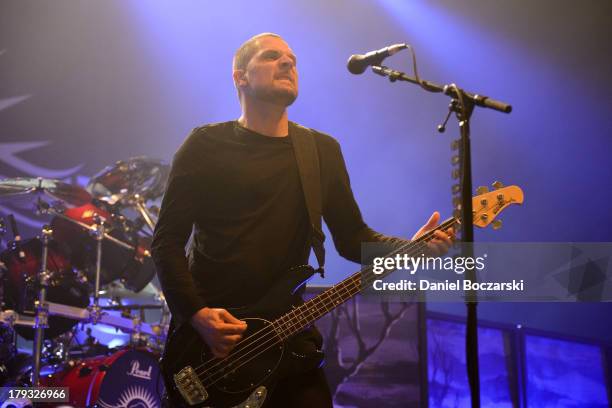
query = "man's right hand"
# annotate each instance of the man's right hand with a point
(219, 329)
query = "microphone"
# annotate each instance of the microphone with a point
(358, 63)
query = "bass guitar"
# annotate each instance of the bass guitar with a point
(195, 378)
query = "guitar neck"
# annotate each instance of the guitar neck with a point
(304, 315)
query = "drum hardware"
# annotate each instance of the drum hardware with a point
(3, 272)
(55, 351)
(92, 229)
(94, 313)
(21, 283)
(24, 189)
(98, 234)
(16, 242)
(90, 341)
(81, 276)
(128, 377)
(42, 309)
(131, 183)
(123, 180)
(8, 345)
(118, 322)
(2, 232)
(130, 262)
(43, 268)
(11, 319)
(127, 308)
(136, 336)
(144, 212)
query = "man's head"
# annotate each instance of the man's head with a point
(264, 68)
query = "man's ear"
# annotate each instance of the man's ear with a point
(239, 76)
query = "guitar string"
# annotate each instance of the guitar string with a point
(295, 311)
(296, 321)
(293, 320)
(300, 319)
(264, 344)
(267, 344)
(345, 284)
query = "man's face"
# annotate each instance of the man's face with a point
(271, 74)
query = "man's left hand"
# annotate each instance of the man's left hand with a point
(441, 241)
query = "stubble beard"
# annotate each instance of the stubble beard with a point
(283, 97)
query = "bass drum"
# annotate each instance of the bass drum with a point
(127, 378)
(23, 263)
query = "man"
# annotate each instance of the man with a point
(237, 185)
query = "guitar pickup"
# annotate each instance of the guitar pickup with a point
(189, 385)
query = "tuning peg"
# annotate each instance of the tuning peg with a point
(482, 190)
(497, 185)
(497, 224)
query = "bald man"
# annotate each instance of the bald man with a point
(236, 185)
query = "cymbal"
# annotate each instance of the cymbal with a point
(29, 189)
(142, 176)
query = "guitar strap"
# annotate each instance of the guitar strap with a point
(307, 159)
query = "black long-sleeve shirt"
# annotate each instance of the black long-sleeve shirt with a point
(241, 195)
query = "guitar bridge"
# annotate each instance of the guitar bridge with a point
(189, 385)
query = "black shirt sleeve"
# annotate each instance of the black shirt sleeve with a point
(172, 231)
(340, 210)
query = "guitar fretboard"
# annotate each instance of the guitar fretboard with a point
(304, 315)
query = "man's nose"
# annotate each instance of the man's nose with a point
(286, 62)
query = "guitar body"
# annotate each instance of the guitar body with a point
(194, 378)
(232, 387)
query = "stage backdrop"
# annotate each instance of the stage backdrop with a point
(87, 83)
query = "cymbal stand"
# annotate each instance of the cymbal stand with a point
(136, 336)
(142, 209)
(98, 233)
(3, 268)
(2, 228)
(42, 309)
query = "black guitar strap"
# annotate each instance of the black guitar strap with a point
(307, 159)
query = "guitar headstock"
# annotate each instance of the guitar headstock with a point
(487, 205)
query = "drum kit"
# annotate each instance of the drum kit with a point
(79, 276)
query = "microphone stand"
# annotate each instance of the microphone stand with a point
(462, 104)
